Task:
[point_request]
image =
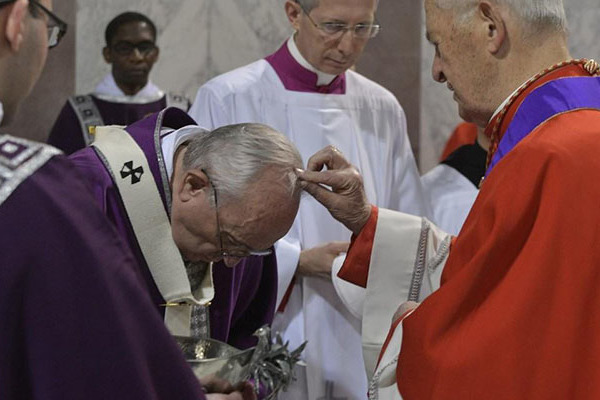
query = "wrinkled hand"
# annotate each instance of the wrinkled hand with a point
(403, 309)
(346, 201)
(318, 260)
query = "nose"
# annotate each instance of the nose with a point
(437, 71)
(231, 261)
(136, 55)
(346, 42)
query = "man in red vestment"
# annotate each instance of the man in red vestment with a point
(516, 314)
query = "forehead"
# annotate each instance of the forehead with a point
(262, 216)
(436, 19)
(347, 9)
(135, 31)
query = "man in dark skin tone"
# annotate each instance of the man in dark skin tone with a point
(126, 94)
(132, 52)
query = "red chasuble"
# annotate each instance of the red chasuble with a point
(518, 312)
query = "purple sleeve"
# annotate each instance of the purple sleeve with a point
(66, 133)
(252, 289)
(74, 320)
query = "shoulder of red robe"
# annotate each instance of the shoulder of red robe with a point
(19, 159)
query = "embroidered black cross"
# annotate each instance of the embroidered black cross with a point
(135, 173)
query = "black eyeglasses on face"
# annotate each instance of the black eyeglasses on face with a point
(231, 253)
(127, 48)
(57, 28)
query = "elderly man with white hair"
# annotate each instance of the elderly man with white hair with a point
(184, 198)
(307, 91)
(516, 313)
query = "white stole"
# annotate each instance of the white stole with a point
(152, 228)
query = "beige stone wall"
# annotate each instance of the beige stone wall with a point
(199, 39)
(203, 38)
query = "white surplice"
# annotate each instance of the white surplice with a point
(368, 125)
(451, 196)
(108, 90)
(407, 260)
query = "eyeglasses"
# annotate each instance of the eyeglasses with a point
(231, 253)
(335, 30)
(127, 48)
(57, 28)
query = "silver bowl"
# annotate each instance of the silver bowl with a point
(212, 359)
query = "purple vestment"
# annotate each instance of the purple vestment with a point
(75, 322)
(67, 133)
(244, 295)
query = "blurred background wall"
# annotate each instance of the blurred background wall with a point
(56, 83)
(203, 38)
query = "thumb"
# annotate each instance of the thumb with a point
(321, 194)
(339, 247)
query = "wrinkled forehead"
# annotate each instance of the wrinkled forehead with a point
(431, 9)
(436, 18)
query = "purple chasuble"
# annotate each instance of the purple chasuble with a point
(244, 295)
(67, 134)
(75, 322)
(299, 79)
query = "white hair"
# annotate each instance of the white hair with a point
(234, 155)
(536, 15)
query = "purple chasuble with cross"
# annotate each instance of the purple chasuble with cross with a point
(244, 295)
(75, 321)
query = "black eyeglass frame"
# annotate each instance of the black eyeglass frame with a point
(225, 253)
(152, 47)
(55, 32)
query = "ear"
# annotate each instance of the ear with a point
(293, 11)
(107, 54)
(495, 26)
(15, 24)
(195, 183)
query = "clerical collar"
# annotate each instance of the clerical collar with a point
(505, 102)
(298, 75)
(108, 90)
(323, 78)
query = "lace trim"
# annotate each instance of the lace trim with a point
(420, 262)
(440, 255)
